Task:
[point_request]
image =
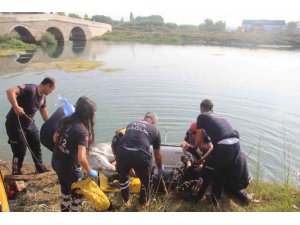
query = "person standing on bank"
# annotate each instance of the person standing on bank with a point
(133, 152)
(74, 136)
(26, 99)
(226, 146)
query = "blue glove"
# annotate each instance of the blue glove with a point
(161, 171)
(93, 173)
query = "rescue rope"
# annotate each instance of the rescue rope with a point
(26, 139)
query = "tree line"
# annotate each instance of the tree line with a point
(150, 23)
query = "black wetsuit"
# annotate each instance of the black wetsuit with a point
(30, 101)
(223, 156)
(49, 128)
(65, 161)
(134, 153)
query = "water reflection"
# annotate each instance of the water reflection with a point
(78, 46)
(68, 50)
(24, 58)
(54, 51)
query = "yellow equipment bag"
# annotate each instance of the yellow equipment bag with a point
(92, 192)
(3, 198)
(134, 186)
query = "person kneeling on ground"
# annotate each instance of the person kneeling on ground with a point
(74, 136)
(226, 155)
(133, 152)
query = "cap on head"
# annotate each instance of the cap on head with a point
(207, 105)
(151, 116)
(193, 127)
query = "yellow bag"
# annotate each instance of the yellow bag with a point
(92, 192)
(134, 186)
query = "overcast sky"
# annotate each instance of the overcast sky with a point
(177, 11)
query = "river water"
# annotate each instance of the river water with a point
(256, 90)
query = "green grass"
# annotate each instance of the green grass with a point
(192, 37)
(11, 46)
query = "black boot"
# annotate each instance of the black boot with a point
(16, 166)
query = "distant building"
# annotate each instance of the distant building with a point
(264, 26)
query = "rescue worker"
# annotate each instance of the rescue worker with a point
(134, 153)
(75, 135)
(226, 152)
(21, 129)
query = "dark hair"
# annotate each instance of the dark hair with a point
(207, 104)
(85, 111)
(48, 80)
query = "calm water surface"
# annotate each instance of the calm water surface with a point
(256, 90)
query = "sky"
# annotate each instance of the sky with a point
(177, 11)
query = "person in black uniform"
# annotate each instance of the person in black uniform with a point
(226, 150)
(50, 126)
(75, 135)
(133, 152)
(26, 99)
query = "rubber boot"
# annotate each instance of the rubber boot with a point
(16, 166)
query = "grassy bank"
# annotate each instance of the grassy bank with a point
(74, 65)
(10, 46)
(43, 195)
(182, 37)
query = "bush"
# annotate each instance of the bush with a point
(11, 43)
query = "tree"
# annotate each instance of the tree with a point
(61, 13)
(131, 18)
(73, 15)
(219, 26)
(102, 19)
(86, 17)
(207, 25)
(150, 20)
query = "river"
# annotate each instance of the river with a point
(257, 90)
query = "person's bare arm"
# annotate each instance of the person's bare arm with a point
(82, 158)
(12, 94)
(209, 151)
(44, 113)
(157, 157)
(199, 138)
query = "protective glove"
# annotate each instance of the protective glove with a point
(161, 171)
(93, 174)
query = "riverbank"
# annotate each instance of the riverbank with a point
(42, 195)
(10, 46)
(182, 37)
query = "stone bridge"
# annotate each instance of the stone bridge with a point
(31, 27)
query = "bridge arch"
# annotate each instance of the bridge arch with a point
(57, 34)
(22, 33)
(77, 34)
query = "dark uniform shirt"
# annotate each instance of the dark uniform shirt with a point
(50, 127)
(30, 101)
(67, 146)
(216, 127)
(139, 136)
